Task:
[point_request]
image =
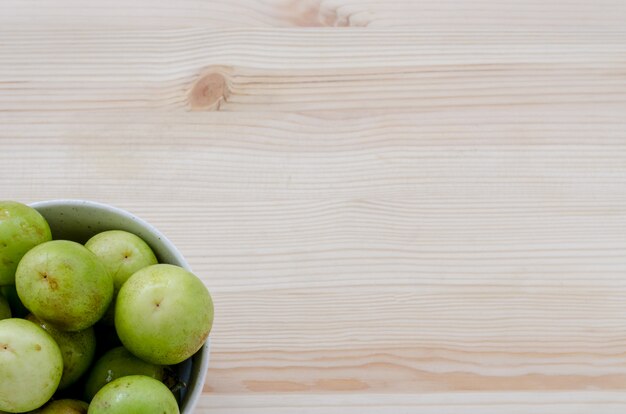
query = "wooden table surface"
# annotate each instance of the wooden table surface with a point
(398, 206)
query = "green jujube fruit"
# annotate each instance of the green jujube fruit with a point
(118, 363)
(134, 394)
(64, 284)
(30, 363)
(21, 229)
(163, 314)
(123, 254)
(77, 350)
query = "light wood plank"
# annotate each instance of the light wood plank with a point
(449, 403)
(496, 16)
(429, 219)
(314, 71)
(436, 252)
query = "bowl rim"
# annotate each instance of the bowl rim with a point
(196, 391)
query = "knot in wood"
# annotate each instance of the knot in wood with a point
(209, 92)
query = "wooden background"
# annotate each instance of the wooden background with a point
(399, 206)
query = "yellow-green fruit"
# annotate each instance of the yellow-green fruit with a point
(118, 363)
(77, 349)
(163, 314)
(64, 284)
(123, 253)
(134, 394)
(21, 229)
(30, 364)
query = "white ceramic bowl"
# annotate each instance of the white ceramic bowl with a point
(78, 220)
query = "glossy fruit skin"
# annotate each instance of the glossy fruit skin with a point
(21, 229)
(64, 284)
(123, 254)
(63, 407)
(30, 363)
(118, 363)
(134, 394)
(163, 314)
(77, 350)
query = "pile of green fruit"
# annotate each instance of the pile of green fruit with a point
(92, 328)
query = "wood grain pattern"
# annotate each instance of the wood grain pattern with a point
(414, 216)
(445, 403)
(499, 16)
(305, 71)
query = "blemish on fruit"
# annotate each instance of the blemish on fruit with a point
(54, 285)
